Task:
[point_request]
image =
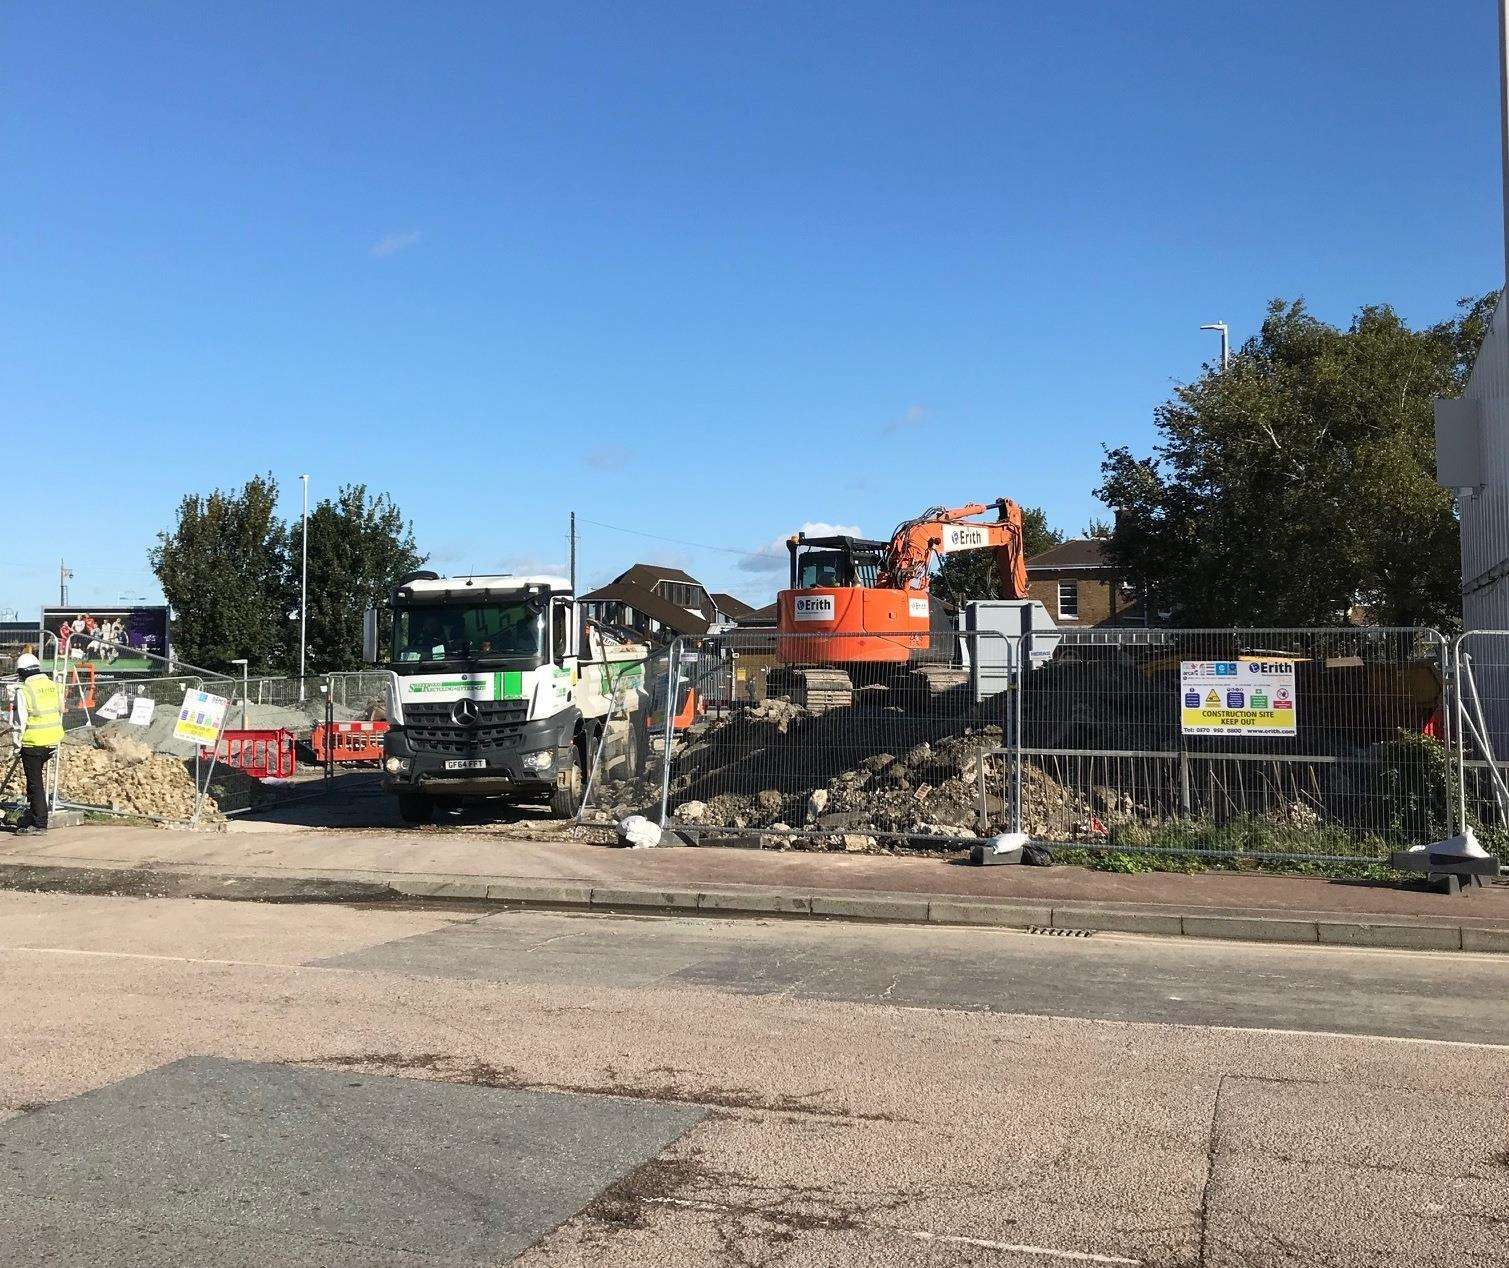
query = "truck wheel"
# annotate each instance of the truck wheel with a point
(638, 747)
(566, 800)
(416, 808)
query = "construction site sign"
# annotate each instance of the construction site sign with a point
(200, 718)
(1237, 697)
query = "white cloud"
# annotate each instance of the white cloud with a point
(915, 416)
(608, 457)
(773, 556)
(394, 243)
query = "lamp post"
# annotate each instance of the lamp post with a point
(245, 682)
(304, 588)
(1225, 342)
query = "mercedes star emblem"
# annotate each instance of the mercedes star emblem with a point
(464, 713)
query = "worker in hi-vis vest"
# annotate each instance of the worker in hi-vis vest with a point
(37, 730)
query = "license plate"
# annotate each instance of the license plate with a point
(466, 763)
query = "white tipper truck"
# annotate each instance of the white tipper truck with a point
(498, 689)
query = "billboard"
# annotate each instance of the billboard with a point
(91, 631)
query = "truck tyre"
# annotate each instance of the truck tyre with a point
(416, 808)
(566, 798)
(638, 746)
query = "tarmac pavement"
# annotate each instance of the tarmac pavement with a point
(475, 862)
(1000, 1098)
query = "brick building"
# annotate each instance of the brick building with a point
(1075, 582)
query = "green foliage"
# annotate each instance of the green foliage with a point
(230, 569)
(224, 571)
(1414, 782)
(972, 574)
(1300, 482)
(358, 548)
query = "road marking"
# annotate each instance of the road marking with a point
(921, 1235)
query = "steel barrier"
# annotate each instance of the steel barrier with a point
(1480, 769)
(913, 748)
(1303, 744)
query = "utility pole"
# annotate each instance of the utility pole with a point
(65, 573)
(1226, 334)
(304, 589)
(573, 528)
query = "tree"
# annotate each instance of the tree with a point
(972, 573)
(1300, 483)
(224, 572)
(358, 548)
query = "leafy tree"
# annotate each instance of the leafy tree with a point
(972, 573)
(358, 548)
(1098, 529)
(224, 572)
(1300, 483)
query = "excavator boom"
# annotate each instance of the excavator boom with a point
(946, 531)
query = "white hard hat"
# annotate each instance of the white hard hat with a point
(27, 661)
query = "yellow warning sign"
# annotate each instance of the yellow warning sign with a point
(1229, 697)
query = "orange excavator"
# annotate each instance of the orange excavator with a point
(871, 603)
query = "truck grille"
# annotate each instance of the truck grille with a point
(431, 728)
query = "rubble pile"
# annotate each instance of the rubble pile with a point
(124, 775)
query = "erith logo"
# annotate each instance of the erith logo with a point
(963, 537)
(812, 607)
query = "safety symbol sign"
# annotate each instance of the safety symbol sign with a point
(1237, 697)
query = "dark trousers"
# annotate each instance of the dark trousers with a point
(34, 763)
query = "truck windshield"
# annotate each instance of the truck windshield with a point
(493, 631)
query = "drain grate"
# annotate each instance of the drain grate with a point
(1061, 933)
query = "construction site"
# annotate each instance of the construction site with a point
(872, 714)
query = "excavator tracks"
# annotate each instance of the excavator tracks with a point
(821, 689)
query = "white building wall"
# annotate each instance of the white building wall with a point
(1472, 448)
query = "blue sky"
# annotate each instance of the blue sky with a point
(711, 271)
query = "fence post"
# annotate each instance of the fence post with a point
(1184, 797)
(1023, 668)
(672, 681)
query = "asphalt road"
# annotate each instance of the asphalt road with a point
(234, 1083)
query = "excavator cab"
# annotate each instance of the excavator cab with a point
(833, 561)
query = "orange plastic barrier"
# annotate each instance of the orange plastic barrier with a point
(348, 741)
(260, 754)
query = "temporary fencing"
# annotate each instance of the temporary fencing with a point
(627, 748)
(792, 744)
(1480, 772)
(1303, 744)
(122, 754)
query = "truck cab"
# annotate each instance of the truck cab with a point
(499, 691)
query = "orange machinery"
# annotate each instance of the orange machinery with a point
(870, 601)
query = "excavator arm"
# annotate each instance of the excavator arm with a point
(946, 531)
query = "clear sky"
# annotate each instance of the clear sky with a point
(708, 270)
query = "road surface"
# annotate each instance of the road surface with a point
(239, 1083)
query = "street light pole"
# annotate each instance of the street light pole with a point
(304, 589)
(1226, 334)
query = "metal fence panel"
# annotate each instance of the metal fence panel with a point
(1481, 770)
(1090, 747)
(1112, 761)
(775, 737)
(626, 768)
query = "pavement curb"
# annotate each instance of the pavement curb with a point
(1399, 935)
(1310, 928)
